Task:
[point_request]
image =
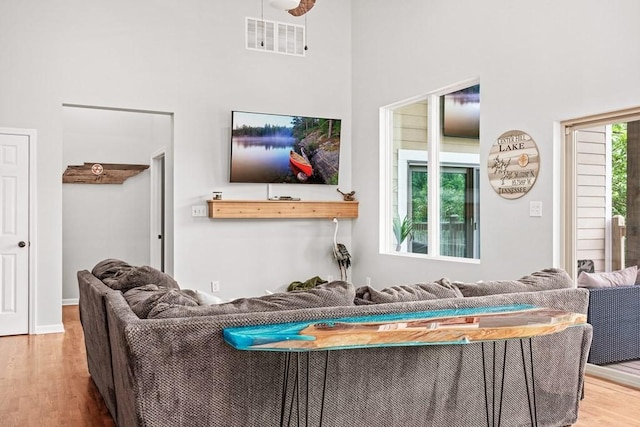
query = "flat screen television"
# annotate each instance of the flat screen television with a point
(461, 113)
(274, 148)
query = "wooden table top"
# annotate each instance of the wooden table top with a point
(437, 327)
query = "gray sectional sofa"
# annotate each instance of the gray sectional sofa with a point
(173, 367)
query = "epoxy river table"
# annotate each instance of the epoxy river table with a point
(438, 327)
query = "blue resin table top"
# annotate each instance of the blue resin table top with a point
(435, 327)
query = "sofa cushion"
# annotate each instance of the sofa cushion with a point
(547, 279)
(624, 277)
(331, 294)
(403, 293)
(110, 267)
(143, 299)
(131, 277)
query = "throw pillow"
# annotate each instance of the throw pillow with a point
(331, 294)
(367, 295)
(133, 277)
(625, 277)
(205, 298)
(547, 279)
(143, 299)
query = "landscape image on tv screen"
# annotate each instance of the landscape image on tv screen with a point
(461, 113)
(273, 148)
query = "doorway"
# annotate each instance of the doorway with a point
(601, 187)
(17, 230)
(116, 220)
(158, 210)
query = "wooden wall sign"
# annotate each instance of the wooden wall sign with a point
(101, 173)
(514, 162)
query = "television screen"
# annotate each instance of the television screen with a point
(273, 148)
(461, 113)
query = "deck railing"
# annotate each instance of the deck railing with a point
(453, 240)
(618, 233)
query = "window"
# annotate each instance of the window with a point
(431, 177)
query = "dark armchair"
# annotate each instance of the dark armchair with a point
(614, 314)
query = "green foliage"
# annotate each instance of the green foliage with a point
(266, 130)
(619, 169)
(303, 126)
(419, 199)
(402, 229)
(452, 195)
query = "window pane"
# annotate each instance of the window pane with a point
(456, 229)
(459, 171)
(410, 177)
(419, 209)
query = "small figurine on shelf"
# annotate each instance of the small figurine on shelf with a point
(348, 197)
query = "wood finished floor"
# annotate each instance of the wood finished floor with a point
(631, 367)
(44, 382)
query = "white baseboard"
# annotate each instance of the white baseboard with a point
(70, 301)
(49, 329)
(614, 375)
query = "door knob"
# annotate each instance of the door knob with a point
(22, 244)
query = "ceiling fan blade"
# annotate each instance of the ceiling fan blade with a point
(303, 7)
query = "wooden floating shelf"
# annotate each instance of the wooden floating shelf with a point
(281, 209)
(100, 173)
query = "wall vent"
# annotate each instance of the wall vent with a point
(276, 37)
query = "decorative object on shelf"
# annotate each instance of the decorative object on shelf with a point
(348, 197)
(97, 169)
(341, 254)
(402, 230)
(513, 164)
(217, 195)
(100, 173)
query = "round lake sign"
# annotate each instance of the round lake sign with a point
(513, 166)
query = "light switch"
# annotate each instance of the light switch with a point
(535, 208)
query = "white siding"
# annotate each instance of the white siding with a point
(591, 195)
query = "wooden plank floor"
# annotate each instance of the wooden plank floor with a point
(630, 367)
(44, 382)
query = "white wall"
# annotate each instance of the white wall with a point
(534, 61)
(108, 220)
(538, 63)
(186, 58)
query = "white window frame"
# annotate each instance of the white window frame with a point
(407, 157)
(433, 160)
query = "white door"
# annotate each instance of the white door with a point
(14, 234)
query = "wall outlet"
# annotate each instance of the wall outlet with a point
(215, 286)
(198, 210)
(367, 281)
